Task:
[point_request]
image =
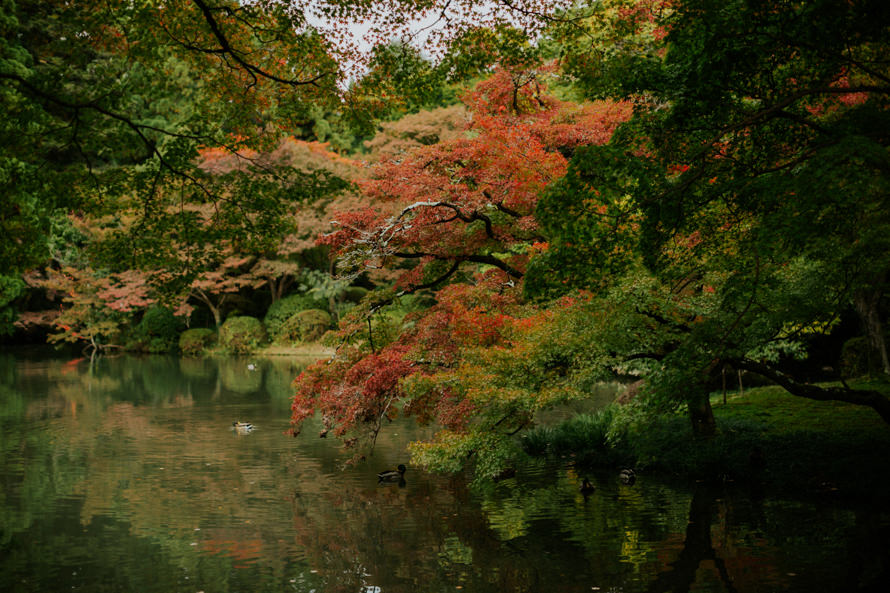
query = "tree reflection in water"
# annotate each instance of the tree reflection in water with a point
(125, 475)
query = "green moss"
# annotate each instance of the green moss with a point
(779, 411)
(242, 335)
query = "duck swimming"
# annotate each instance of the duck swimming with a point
(242, 426)
(392, 475)
(586, 487)
(627, 476)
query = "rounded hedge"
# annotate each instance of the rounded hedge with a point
(193, 342)
(157, 332)
(305, 326)
(242, 335)
(283, 309)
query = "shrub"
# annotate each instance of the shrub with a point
(283, 309)
(157, 332)
(241, 335)
(305, 326)
(193, 342)
(584, 436)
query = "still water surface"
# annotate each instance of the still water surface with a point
(125, 476)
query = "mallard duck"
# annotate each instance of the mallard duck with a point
(392, 475)
(242, 426)
(586, 487)
(627, 476)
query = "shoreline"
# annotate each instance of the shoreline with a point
(766, 438)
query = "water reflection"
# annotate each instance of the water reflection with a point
(127, 476)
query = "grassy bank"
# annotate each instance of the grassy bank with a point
(765, 436)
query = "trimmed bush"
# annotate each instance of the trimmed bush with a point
(283, 309)
(305, 326)
(193, 342)
(157, 332)
(242, 335)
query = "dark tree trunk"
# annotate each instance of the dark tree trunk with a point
(700, 412)
(867, 303)
(698, 547)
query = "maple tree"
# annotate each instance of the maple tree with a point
(96, 307)
(119, 97)
(455, 218)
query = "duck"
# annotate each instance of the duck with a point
(627, 476)
(242, 426)
(586, 487)
(392, 475)
(251, 367)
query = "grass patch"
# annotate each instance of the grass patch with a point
(764, 435)
(779, 411)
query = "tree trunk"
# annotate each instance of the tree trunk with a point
(867, 304)
(217, 320)
(700, 412)
(214, 309)
(332, 299)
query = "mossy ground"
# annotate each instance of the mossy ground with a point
(765, 435)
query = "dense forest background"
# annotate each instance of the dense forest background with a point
(483, 220)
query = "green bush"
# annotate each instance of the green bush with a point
(242, 335)
(584, 436)
(305, 326)
(283, 309)
(157, 332)
(193, 342)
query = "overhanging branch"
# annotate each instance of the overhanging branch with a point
(862, 397)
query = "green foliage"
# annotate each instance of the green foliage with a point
(157, 332)
(765, 435)
(322, 285)
(195, 341)
(474, 53)
(449, 451)
(283, 309)
(582, 436)
(306, 326)
(11, 288)
(591, 221)
(242, 335)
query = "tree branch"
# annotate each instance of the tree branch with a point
(479, 259)
(227, 49)
(862, 397)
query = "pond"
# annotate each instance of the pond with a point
(126, 475)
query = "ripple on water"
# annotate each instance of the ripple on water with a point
(130, 477)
